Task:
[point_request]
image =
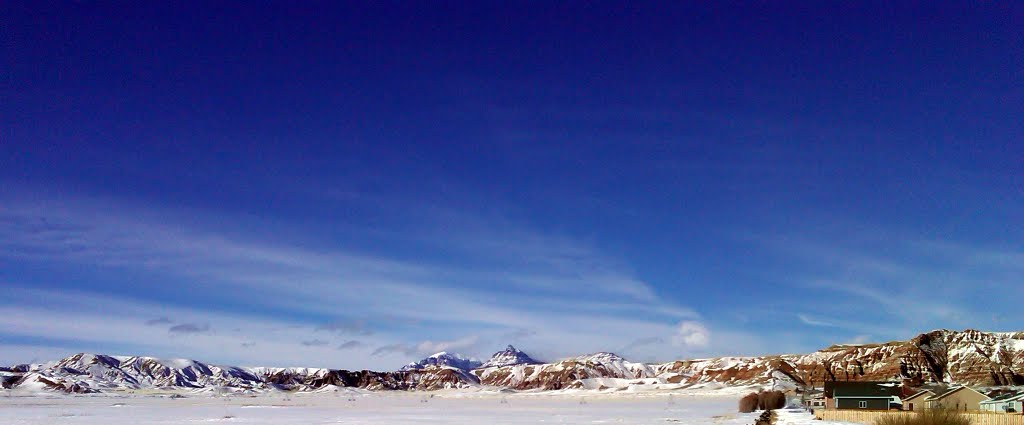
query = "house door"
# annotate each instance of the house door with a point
(911, 406)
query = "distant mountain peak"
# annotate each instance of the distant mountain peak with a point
(509, 357)
(444, 358)
(602, 356)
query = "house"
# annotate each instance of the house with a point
(916, 401)
(1005, 403)
(962, 398)
(1015, 404)
(815, 400)
(863, 395)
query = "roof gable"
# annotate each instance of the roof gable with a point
(919, 394)
(1008, 397)
(1000, 398)
(952, 391)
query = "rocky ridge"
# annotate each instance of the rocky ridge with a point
(942, 356)
(444, 359)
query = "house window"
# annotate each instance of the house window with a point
(862, 404)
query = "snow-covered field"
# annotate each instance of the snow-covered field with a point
(382, 408)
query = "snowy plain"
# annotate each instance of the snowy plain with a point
(351, 407)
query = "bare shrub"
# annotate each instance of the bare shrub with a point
(748, 403)
(771, 400)
(927, 417)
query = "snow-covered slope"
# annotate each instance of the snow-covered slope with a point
(569, 373)
(942, 356)
(510, 356)
(966, 357)
(453, 360)
(84, 371)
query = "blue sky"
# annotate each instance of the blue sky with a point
(356, 186)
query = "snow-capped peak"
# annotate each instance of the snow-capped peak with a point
(509, 357)
(601, 357)
(453, 360)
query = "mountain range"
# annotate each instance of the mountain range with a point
(453, 360)
(946, 357)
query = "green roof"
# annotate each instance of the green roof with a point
(865, 389)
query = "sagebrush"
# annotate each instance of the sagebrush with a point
(770, 400)
(748, 403)
(764, 400)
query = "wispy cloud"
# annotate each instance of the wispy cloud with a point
(430, 347)
(405, 349)
(893, 285)
(85, 323)
(408, 300)
(315, 343)
(642, 342)
(188, 328)
(808, 320)
(159, 321)
(356, 327)
(102, 237)
(425, 348)
(518, 334)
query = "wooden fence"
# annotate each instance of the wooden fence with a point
(869, 417)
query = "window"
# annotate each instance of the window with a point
(863, 404)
